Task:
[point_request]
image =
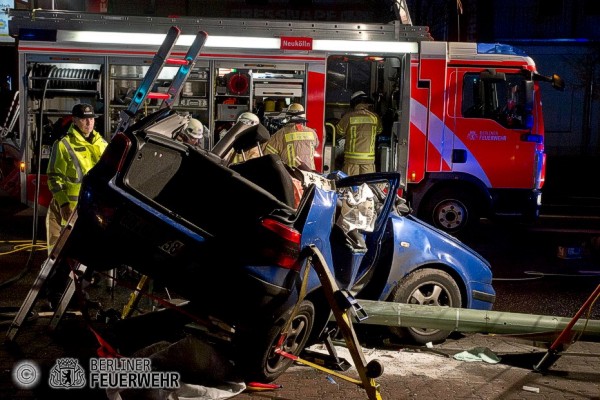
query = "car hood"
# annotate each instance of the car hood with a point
(443, 236)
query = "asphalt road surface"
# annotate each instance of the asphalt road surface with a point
(550, 267)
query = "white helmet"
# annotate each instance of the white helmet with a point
(296, 112)
(248, 118)
(194, 129)
(359, 93)
(358, 97)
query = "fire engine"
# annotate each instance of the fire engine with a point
(463, 122)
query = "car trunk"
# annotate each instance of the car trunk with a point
(193, 187)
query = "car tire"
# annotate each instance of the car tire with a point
(426, 287)
(453, 211)
(258, 360)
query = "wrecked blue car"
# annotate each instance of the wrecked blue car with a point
(229, 239)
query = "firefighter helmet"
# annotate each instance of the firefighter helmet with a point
(194, 129)
(295, 113)
(358, 97)
(248, 118)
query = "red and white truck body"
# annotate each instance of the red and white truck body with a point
(490, 162)
(463, 122)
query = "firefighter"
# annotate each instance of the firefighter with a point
(192, 133)
(71, 158)
(295, 142)
(252, 119)
(359, 127)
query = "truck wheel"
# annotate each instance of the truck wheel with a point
(258, 360)
(426, 287)
(451, 210)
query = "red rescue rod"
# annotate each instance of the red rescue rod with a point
(157, 95)
(562, 338)
(260, 385)
(165, 96)
(176, 61)
(565, 335)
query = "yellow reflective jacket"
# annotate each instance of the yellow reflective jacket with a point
(360, 128)
(71, 158)
(250, 153)
(294, 142)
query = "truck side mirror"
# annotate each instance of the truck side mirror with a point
(558, 83)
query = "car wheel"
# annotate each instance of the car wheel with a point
(426, 287)
(452, 211)
(260, 362)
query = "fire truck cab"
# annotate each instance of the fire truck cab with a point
(462, 122)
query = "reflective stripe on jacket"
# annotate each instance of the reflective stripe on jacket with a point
(360, 129)
(294, 143)
(250, 153)
(71, 158)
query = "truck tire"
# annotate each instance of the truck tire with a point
(426, 287)
(258, 360)
(451, 210)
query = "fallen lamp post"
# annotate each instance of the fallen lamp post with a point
(467, 320)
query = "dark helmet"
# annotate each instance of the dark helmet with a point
(83, 110)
